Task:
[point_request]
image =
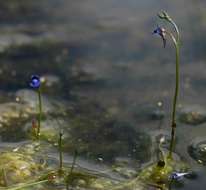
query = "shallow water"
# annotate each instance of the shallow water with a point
(105, 74)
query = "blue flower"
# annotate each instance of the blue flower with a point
(162, 33)
(177, 175)
(35, 81)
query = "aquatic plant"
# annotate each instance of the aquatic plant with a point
(159, 174)
(60, 153)
(69, 175)
(36, 84)
(163, 33)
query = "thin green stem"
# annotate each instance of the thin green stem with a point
(40, 113)
(176, 29)
(176, 42)
(71, 170)
(174, 109)
(26, 185)
(60, 153)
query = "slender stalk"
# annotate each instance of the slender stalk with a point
(173, 123)
(60, 153)
(176, 30)
(40, 113)
(71, 170)
(26, 185)
(174, 107)
(176, 42)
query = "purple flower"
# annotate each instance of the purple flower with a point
(177, 175)
(35, 81)
(162, 33)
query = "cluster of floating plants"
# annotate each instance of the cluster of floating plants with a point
(162, 174)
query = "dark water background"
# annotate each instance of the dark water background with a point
(104, 53)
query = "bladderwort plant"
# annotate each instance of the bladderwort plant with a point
(60, 147)
(176, 40)
(35, 83)
(60, 171)
(69, 175)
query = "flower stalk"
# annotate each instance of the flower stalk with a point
(69, 175)
(60, 154)
(35, 83)
(176, 40)
(40, 113)
(173, 123)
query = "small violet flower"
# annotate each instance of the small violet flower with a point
(35, 81)
(177, 175)
(162, 33)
